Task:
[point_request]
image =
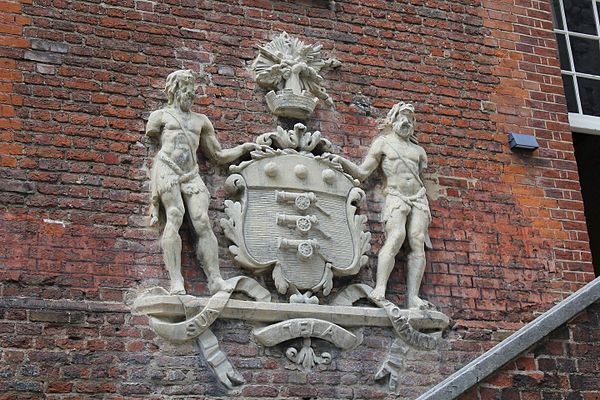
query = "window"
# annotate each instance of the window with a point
(577, 28)
(587, 150)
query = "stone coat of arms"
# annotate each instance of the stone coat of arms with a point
(296, 214)
(292, 213)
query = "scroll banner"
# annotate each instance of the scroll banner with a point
(307, 327)
(400, 323)
(405, 331)
(218, 361)
(196, 325)
(406, 334)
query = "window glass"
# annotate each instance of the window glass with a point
(577, 30)
(586, 55)
(589, 94)
(563, 53)
(587, 148)
(580, 16)
(556, 16)
(570, 93)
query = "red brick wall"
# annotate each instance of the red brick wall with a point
(78, 79)
(564, 366)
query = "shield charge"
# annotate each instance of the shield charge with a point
(296, 215)
(299, 221)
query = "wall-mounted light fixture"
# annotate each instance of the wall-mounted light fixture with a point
(522, 142)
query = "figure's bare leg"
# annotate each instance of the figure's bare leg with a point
(208, 252)
(417, 225)
(395, 234)
(171, 241)
(207, 248)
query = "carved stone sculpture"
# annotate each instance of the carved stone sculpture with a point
(296, 214)
(293, 213)
(176, 185)
(406, 212)
(290, 69)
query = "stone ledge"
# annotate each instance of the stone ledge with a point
(174, 308)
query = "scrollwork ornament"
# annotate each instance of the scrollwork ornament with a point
(306, 358)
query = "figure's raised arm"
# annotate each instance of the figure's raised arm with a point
(211, 147)
(155, 124)
(369, 164)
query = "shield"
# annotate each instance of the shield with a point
(296, 215)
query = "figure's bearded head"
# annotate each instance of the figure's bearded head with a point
(180, 86)
(400, 120)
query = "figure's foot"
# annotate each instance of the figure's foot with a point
(219, 284)
(378, 294)
(417, 303)
(177, 288)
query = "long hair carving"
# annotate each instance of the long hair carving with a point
(173, 80)
(408, 110)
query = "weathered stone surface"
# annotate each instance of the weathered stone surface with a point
(43, 57)
(306, 327)
(296, 214)
(173, 307)
(48, 45)
(176, 185)
(291, 69)
(406, 213)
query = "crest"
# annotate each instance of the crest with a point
(296, 214)
(291, 70)
(292, 213)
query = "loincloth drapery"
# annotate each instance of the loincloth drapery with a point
(395, 200)
(166, 174)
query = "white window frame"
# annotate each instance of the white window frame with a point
(581, 123)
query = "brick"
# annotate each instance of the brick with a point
(49, 316)
(47, 45)
(89, 387)
(79, 79)
(526, 364)
(260, 391)
(25, 386)
(7, 327)
(135, 388)
(43, 57)
(60, 387)
(501, 380)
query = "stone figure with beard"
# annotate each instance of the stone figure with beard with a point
(406, 212)
(176, 185)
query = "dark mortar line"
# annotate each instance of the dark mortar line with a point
(63, 305)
